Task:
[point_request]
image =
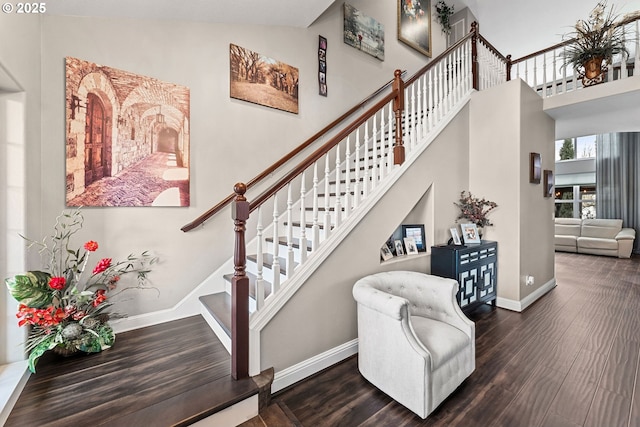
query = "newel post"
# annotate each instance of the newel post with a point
(398, 106)
(509, 65)
(474, 56)
(240, 288)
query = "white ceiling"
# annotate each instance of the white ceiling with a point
(515, 27)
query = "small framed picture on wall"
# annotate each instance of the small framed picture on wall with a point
(548, 183)
(535, 168)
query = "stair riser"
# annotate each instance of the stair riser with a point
(267, 273)
(283, 250)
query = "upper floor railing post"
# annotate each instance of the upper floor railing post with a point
(509, 64)
(474, 56)
(240, 288)
(398, 106)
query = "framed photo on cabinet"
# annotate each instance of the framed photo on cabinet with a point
(470, 233)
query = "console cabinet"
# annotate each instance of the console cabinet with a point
(474, 266)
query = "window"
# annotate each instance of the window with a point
(582, 147)
(577, 201)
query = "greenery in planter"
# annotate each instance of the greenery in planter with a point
(443, 15)
(599, 37)
(67, 309)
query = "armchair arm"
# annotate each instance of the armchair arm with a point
(626, 234)
(390, 305)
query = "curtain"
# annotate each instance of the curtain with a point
(618, 179)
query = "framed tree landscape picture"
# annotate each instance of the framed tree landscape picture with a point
(414, 24)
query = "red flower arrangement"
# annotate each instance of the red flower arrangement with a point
(66, 311)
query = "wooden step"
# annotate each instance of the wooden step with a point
(173, 373)
(219, 306)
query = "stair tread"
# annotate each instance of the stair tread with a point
(219, 306)
(193, 405)
(295, 242)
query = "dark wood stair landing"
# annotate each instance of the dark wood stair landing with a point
(174, 373)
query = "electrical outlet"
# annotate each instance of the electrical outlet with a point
(529, 280)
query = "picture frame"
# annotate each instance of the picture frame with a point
(399, 248)
(548, 183)
(363, 32)
(455, 236)
(322, 65)
(535, 168)
(411, 246)
(417, 232)
(414, 25)
(470, 233)
(278, 88)
(385, 253)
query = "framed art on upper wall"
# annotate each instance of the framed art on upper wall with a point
(414, 24)
(363, 32)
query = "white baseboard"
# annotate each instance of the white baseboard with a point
(306, 368)
(521, 305)
(13, 378)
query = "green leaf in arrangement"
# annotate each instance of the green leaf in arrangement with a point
(31, 288)
(39, 350)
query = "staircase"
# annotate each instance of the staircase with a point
(298, 221)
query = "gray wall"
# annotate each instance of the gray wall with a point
(507, 123)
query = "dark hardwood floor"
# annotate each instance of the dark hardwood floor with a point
(571, 359)
(168, 374)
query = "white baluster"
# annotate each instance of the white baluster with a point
(374, 153)
(554, 85)
(446, 63)
(347, 179)
(383, 151)
(365, 181)
(411, 123)
(275, 267)
(327, 198)
(390, 137)
(535, 73)
(424, 112)
(544, 75)
(636, 63)
(260, 263)
(290, 255)
(338, 204)
(303, 219)
(357, 187)
(430, 106)
(564, 74)
(417, 111)
(316, 224)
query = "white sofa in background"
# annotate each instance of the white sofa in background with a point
(414, 342)
(594, 236)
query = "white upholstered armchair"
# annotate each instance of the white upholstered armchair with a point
(414, 342)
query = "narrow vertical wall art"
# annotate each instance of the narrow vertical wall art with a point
(322, 65)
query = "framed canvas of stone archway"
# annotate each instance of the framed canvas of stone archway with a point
(127, 141)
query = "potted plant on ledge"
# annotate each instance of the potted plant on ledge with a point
(595, 42)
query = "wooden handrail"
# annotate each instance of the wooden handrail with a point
(316, 155)
(436, 60)
(567, 42)
(224, 202)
